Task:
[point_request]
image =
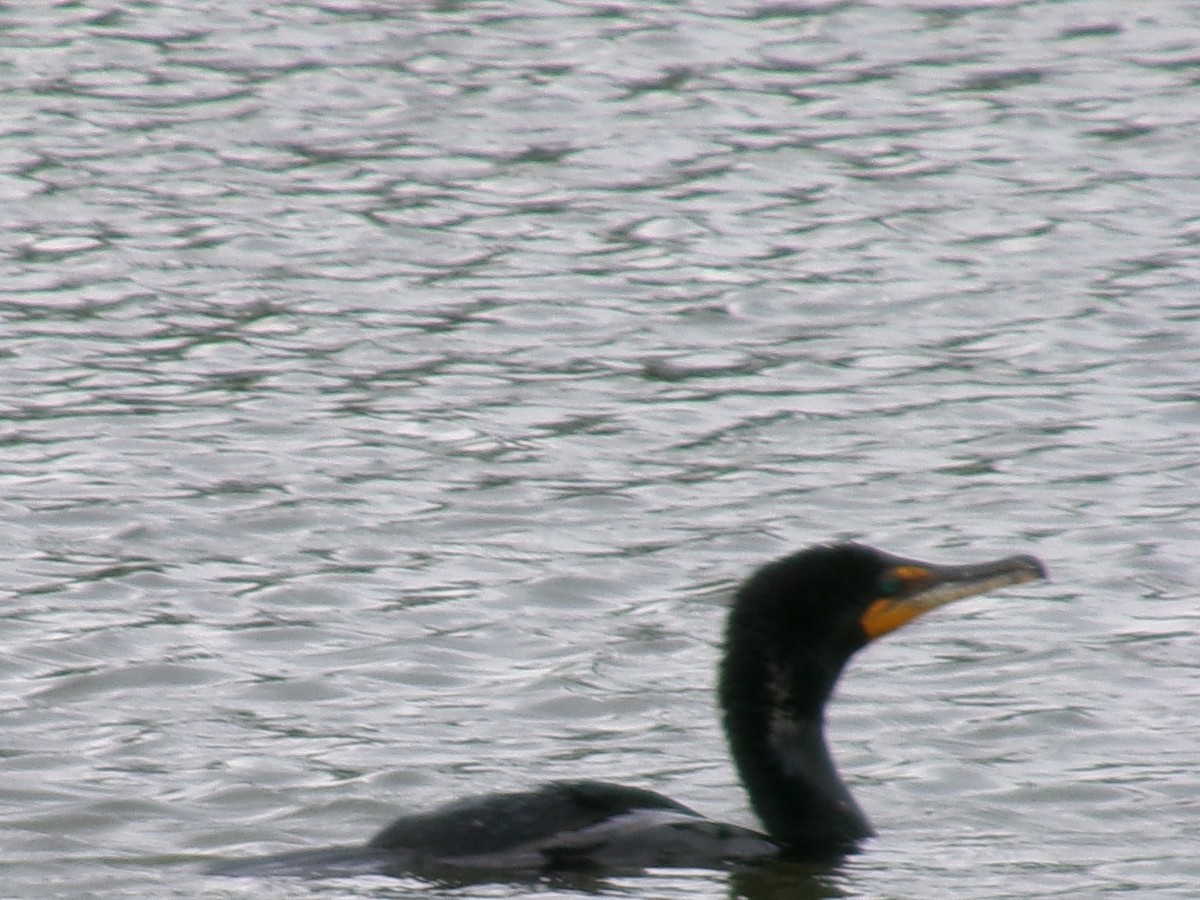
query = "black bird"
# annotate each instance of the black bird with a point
(792, 627)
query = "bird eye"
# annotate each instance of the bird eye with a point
(889, 586)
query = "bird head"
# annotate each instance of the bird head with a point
(802, 617)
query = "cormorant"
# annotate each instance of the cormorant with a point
(791, 629)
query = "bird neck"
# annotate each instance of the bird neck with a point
(776, 732)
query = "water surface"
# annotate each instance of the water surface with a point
(393, 394)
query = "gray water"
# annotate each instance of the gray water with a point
(392, 394)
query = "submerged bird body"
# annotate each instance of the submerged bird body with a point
(571, 824)
(791, 629)
(560, 826)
